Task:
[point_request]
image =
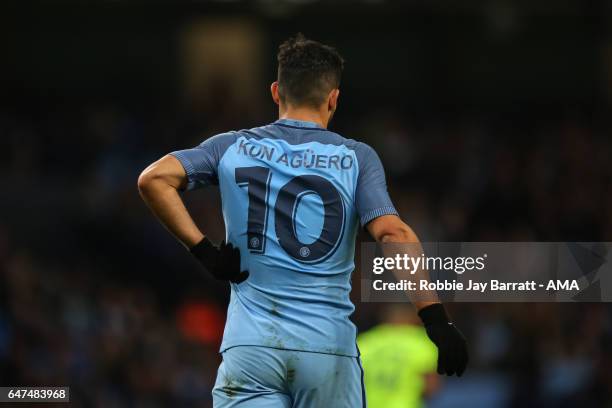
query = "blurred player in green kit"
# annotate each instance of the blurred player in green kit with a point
(399, 360)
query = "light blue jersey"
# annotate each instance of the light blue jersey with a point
(293, 195)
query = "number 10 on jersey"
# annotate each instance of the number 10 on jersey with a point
(257, 180)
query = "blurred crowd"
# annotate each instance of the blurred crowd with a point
(97, 296)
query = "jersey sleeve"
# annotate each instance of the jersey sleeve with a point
(371, 198)
(201, 162)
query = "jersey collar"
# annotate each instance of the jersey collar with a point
(298, 124)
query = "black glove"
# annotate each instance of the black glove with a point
(452, 347)
(222, 262)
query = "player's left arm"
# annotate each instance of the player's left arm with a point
(391, 229)
(452, 347)
(378, 215)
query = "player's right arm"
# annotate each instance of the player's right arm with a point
(378, 215)
(159, 186)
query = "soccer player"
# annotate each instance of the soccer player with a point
(293, 194)
(399, 360)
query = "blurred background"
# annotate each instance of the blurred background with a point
(492, 119)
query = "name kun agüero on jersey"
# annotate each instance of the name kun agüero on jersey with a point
(305, 158)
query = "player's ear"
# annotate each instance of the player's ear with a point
(274, 91)
(332, 100)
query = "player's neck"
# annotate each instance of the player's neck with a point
(305, 115)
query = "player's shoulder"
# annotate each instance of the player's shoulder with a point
(364, 153)
(337, 139)
(305, 134)
(276, 130)
(360, 148)
(217, 145)
(220, 142)
(220, 139)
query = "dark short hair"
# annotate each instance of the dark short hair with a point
(307, 71)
